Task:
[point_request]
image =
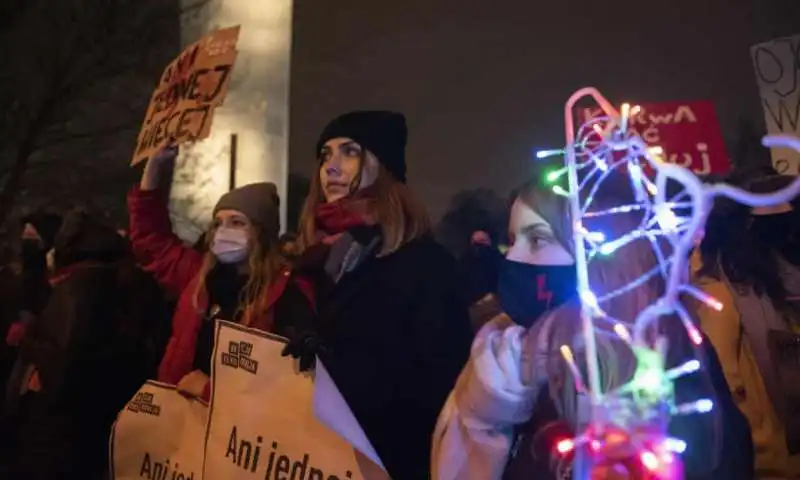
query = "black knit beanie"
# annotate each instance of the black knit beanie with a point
(259, 202)
(383, 133)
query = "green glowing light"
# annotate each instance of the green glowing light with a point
(650, 382)
(555, 175)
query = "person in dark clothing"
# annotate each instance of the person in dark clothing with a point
(38, 236)
(28, 297)
(388, 324)
(91, 349)
(238, 275)
(9, 316)
(479, 269)
(749, 260)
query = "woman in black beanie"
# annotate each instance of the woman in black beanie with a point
(389, 326)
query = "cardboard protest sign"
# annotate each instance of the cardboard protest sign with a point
(261, 424)
(191, 87)
(777, 66)
(159, 435)
(688, 133)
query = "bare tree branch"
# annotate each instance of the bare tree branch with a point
(71, 137)
(67, 60)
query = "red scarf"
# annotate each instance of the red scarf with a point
(333, 219)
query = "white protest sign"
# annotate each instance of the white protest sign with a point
(159, 435)
(261, 424)
(777, 65)
(332, 410)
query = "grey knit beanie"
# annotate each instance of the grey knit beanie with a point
(259, 202)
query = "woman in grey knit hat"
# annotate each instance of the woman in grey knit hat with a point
(239, 277)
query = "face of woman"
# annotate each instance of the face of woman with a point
(532, 239)
(233, 220)
(340, 168)
(233, 236)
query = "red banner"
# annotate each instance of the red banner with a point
(688, 133)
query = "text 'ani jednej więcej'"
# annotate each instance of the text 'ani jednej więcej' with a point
(202, 87)
(278, 466)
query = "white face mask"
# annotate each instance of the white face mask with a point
(230, 245)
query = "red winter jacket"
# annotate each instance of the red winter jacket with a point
(175, 267)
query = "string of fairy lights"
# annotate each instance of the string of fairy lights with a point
(638, 411)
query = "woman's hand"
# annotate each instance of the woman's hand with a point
(161, 162)
(193, 384)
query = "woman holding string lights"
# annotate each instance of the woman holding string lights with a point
(516, 405)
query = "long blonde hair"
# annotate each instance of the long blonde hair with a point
(392, 207)
(264, 262)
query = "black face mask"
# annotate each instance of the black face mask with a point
(527, 291)
(778, 231)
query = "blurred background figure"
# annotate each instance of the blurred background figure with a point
(478, 269)
(749, 260)
(25, 290)
(38, 236)
(474, 229)
(100, 335)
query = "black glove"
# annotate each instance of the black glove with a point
(304, 347)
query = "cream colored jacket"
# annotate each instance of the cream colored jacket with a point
(475, 431)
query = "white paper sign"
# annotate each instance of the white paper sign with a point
(332, 410)
(777, 66)
(261, 425)
(159, 435)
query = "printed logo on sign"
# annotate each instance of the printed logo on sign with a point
(143, 403)
(238, 356)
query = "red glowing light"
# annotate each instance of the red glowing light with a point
(649, 460)
(695, 336)
(715, 304)
(616, 437)
(565, 446)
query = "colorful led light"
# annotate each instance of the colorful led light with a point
(565, 446)
(598, 147)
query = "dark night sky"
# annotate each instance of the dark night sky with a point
(483, 82)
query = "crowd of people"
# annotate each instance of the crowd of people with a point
(451, 366)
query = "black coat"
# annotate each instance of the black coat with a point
(397, 336)
(94, 345)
